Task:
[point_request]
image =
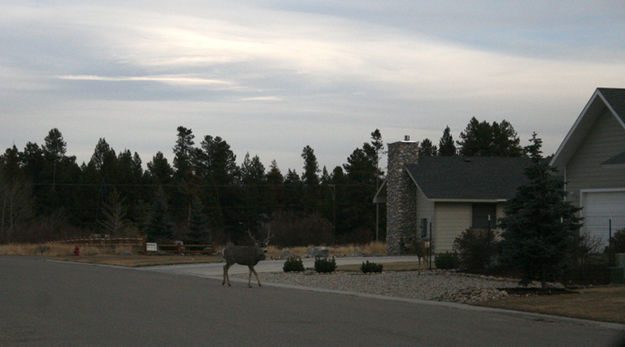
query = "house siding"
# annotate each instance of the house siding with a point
(425, 208)
(605, 139)
(450, 220)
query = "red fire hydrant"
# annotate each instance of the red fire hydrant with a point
(76, 251)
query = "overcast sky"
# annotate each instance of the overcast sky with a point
(271, 77)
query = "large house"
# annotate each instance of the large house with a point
(444, 196)
(592, 160)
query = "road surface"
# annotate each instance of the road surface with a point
(44, 303)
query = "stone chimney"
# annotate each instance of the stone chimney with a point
(401, 204)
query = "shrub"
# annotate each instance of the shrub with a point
(367, 267)
(323, 265)
(617, 242)
(293, 264)
(446, 261)
(475, 247)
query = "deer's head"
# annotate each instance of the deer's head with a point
(261, 247)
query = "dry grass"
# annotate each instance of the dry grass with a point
(53, 249)
(601, 303)
(372, 248)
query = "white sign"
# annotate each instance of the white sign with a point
(151, 247)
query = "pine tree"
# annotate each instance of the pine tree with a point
(159, 227)
(541, 229)
(446, 147)
(183, 151)
(476, 139)
(198, 224)
(505, 142)
(310, 176)
(159, 170)
(426, 149)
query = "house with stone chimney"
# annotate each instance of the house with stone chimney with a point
(444, 196)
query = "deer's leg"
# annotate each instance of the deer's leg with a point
(255, 274)
(249, 277)
(226, 278)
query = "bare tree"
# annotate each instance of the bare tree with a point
(245, 255)
(114, 219)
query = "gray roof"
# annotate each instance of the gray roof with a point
(615, 160)
(470, 178)
(616, 98)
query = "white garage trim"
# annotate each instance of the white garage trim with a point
(590, 210)
(599, 190)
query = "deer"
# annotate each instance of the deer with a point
(245, 255)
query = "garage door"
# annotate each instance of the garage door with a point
(599, 209)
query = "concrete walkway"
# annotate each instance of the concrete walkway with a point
(216, 269)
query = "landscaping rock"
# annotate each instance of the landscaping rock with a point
(285, 254)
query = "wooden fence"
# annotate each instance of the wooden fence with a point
(140, 244)
(109, 242)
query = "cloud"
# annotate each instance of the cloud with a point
(262, 98)
(175, 80)
(274, 77)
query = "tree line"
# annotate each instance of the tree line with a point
(204, 195)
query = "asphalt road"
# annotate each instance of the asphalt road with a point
(46, 303)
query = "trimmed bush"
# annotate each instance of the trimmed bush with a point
(446, 261)
(293, 264)
(324, 265)
(367, 267)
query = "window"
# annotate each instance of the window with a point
(481, 213)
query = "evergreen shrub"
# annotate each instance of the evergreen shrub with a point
(325, 265)
(475, 248)
(367, 267)
(293, 264)
(446, 261)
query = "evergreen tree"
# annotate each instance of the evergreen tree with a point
(476, 139)
(274, 176)
(55, 146)
(359, 213)
(505, 141)
(275, 182)
(293, 191)
(198, 225)
(541, 228)
(446, 145)
(183, 153)
(159, 227)
(484, 139)
(311, 167)
(426, 149)
(159, 170)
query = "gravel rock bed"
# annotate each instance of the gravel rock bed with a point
(426, 285)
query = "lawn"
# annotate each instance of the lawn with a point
(605, 303)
